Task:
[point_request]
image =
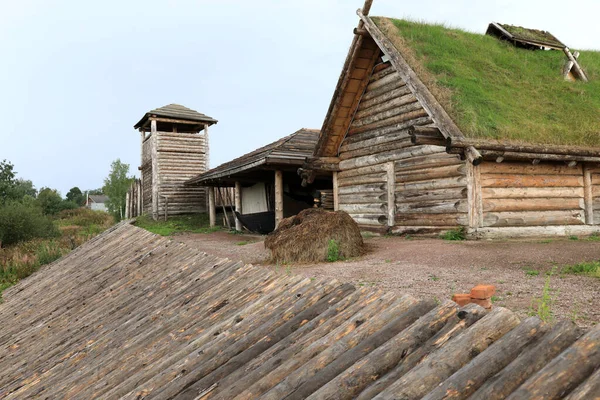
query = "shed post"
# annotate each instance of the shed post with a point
(154, 146)
(128, 204)
(588, 195)
(278, 197)
(238, 205)
(212, 212)
(336, 196)
(140, 198)
(474, 196)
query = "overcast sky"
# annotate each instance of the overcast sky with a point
(75, 76)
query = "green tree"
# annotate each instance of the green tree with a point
(95, 191)
(49, 201)
(115, 187)
(7, 181)
(75, 196)
(22, 188)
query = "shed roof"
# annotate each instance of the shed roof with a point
(291, 150)
(529, 36)
(98, 198)
(176, 111)
(134, 315)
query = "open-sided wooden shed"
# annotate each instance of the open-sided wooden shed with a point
(433, 129)
(267, 186)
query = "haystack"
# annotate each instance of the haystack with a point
(305, 237)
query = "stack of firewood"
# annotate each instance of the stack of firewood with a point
(327, 199)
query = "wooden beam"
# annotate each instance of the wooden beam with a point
(155, 175)
(391, 193)
(580, 73)
(486, 144)
(509, 155)
(474, 196)
(473, 156)
(177, 121)
(588, 195)
(336, 192)
(212, 212)
(360, 32)
(238, 205)
(278, 197)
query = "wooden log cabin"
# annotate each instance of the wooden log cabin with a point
(432, 129)
(174, 148)
(266, 182)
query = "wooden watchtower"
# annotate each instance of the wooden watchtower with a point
(174, 148)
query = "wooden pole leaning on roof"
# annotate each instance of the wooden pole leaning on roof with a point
(575, 65)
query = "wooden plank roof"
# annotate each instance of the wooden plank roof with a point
(137, 316)
(290, 150)
(178, 112)
(522, 35)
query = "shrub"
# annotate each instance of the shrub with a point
(48, 252)
(49, 200)
(19, 222)
(333, 251)
(455, 234)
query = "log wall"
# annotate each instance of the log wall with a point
(522, 194)
(181, 156)
(595, 175)
(385, 182)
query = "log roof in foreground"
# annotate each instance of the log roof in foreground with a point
(291, 151)
(137, 316)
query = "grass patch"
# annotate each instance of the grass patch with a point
(542, 306)
(594, 237)
(532, 272)
(243, 243)
(584, 268)
(333, 251)
(494, 90)
(454, 234)
(194, 223)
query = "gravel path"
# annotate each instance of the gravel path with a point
(433, 267)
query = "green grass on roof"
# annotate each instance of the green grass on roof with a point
(494, 90)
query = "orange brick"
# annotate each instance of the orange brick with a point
(483, 292)
(462, 299)
(485, 303)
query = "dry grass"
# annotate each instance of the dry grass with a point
(494, 90)
(308, 237)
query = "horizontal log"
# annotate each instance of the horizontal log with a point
(390, 137)
(425, 219)
(384, 97)
(371, 188)
(410, 105)
(363, 198)
(322, 164)
(533, 231)
(385, 107)
(454, 182)
(486, 144)
(431, 172)
(559, 376)
(433, 207)
(362, 171)
(492, 155)
(590, 389)
(370, 94)
(533, 218)
(523, 168)
(364, 208)
(388, 156)
(532, 192)
(376, 149)
(385, 69)
(421, 230)
(369, 219)
(410, 196)
(407, 115)
(383, 81)
(380, 132)
(363, 179)
(503, 180)
(439, 159)
(536, 204)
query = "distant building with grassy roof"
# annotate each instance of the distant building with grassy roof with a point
(432, 129)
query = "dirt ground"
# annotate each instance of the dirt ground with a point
(438, 268)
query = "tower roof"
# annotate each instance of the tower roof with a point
(175, 111)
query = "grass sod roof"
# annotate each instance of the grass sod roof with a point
(493, 90)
